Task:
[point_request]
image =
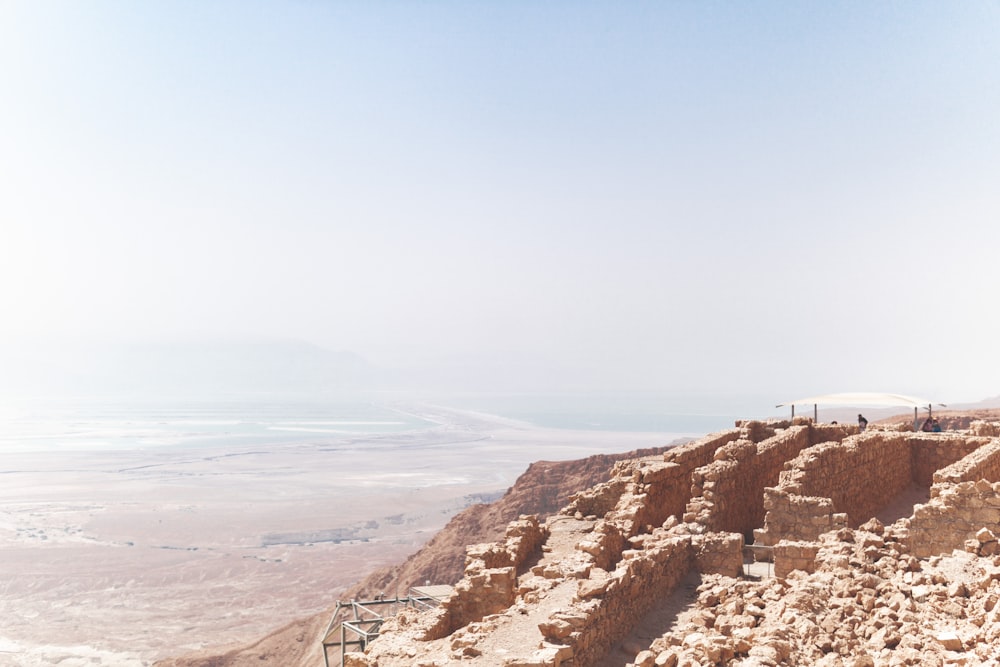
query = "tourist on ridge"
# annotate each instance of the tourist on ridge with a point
(928, 425)
(862, 423)
(936, 426)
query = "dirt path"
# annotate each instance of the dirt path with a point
(518, 634)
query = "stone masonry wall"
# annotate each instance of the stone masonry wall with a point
(605, 608)
(620, 548)
(728, 494)
(793, 555)
(675, 493)
(983, 462)
(642, 494)
(671, 481)
(980, 427)
(861, 475)
(931, 452)
(830, 432)
(798, 518)
(490, 581)
(661, 491)
(695, 454)
(955, 514)
(965, 498)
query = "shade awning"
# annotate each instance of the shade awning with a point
(863, 398)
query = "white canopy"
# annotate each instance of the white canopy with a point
(857, 399)
(862, 398)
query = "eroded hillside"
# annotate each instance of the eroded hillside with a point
(541, 490)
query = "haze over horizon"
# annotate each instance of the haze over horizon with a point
(773, 198)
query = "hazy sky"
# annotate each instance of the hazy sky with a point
(716, 196)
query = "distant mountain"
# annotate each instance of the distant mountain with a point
(985, 404)
(182, 367)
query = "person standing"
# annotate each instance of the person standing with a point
(862, 423)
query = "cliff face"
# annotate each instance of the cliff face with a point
(544, 488)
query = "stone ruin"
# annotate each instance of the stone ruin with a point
(882, 546)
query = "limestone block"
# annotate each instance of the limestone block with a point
(645, 659)
(355, 659)
(556, 628)
(949, 640)
(592, 588)
(540, 658)
(666, 659)
(766, 653)
(492, 555)
(694, 639)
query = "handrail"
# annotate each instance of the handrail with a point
(366, 622)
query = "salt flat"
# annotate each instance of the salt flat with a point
(122, 557)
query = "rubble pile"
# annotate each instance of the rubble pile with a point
(868, 603)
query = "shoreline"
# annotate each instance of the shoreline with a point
(139, 555)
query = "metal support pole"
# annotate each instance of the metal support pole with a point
(815, 413)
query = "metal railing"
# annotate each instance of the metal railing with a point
(753, 550)
(366, 619)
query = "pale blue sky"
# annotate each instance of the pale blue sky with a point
(780, 198)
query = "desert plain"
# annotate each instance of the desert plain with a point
(124, 557)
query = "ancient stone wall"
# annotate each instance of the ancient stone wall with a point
(698, 453)
(673, 493)
(600, 499)
(982, 462)
(621, 547)
(861, 475)
(792, 555)
(490, 581)
(728, 494)
(668, 485)
(605, 609)
(606, 544)
(798, 518)
(980, 427)
(719, 553)
(642, 494)
(658, 492)
(830, 432)
(931, 452)
(955, 514)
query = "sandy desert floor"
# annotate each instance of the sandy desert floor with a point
(123, 557)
